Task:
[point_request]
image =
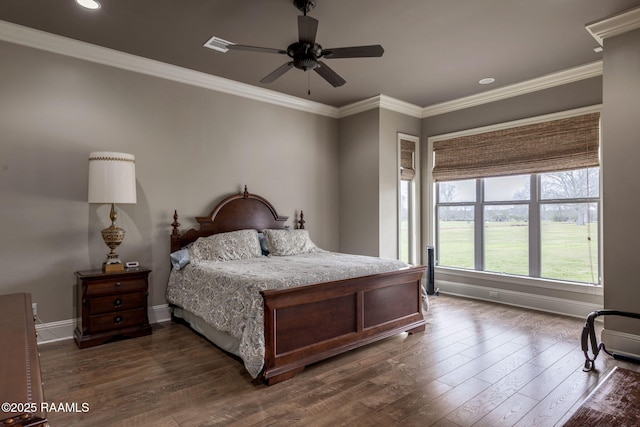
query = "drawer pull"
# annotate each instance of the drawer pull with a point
(117, 320)
(117, 303)
(118, 283)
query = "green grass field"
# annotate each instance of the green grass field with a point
(565, 248)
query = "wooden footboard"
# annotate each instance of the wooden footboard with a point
(307, 324)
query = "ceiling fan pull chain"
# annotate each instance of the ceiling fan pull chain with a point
(308, 83)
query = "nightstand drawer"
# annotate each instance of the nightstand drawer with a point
(111, 286)
(118, 302)
(118, 320)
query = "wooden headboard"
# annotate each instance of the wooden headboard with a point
(237, 212)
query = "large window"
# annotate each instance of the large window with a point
(540, 225)
(521, 198)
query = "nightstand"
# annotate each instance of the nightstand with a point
(112, 304)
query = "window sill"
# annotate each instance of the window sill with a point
(559, 285)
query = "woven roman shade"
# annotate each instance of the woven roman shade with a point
(552, 146)
(407, 160)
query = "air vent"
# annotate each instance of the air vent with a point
(218, 44)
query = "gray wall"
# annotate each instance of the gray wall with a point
(369, 181)
(359, 175)
(621, 153)
(193, 146)
(560, 98)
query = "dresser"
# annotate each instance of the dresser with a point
(21, 391)
(112, 305)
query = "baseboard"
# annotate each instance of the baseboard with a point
(519, 299)
(55, 331)
(621, 343)
(63, 330)
(159, 313)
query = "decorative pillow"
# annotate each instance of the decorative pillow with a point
(242, 244)
(289, 242)
(179, 259)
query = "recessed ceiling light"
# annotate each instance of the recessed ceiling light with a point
(487, 81)
(598, 49)
(89, 4)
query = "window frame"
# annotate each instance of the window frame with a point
(413, 225)
(534, 204)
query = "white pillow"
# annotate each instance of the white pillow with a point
(289, 242)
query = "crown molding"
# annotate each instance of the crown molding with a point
(398, 106)
(380, 101)
(359, 107)
(570, 75)
(42, 40)
(614, 25)
(563, 77)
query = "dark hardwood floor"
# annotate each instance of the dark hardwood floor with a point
(477, 363)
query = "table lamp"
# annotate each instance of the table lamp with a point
(112, 179)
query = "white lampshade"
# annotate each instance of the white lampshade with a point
(112, 177)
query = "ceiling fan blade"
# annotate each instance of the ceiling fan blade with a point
(277, 72)
(307, 30)
(354, 52)
(255, 48)
(329, 75)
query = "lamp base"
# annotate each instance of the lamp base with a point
(108, 268)
(113, 236)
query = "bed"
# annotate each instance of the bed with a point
(297, 308)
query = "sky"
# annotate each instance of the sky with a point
(496, 189)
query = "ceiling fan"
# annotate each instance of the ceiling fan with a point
(305, 54)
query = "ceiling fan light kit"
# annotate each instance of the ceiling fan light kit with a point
(305, 54)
